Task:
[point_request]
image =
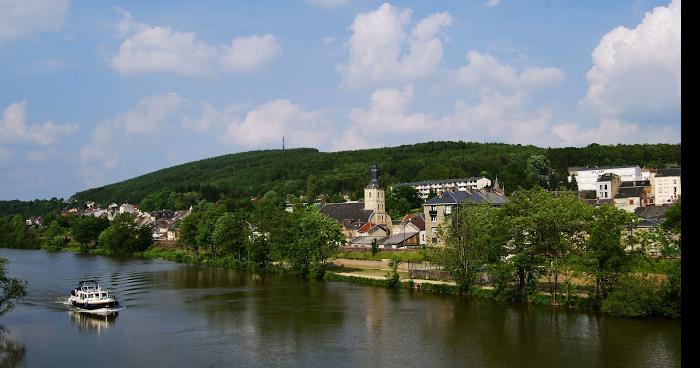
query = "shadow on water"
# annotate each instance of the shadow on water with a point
(11, 352)
(92, 323)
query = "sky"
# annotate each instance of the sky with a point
(94, 92)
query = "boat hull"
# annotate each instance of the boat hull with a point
(97, 305)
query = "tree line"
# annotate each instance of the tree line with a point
(538, 234)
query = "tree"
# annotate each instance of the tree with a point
(539, 170)
(124, 237)
(11, 289)
(606, 257)
(375, 247)
(468, 242)
(87, 229)
(573, 184)
(540, 230)
(393, 278)
(319, 238)
(231, 235)
(311, 189)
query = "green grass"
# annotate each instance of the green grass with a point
(403, 256)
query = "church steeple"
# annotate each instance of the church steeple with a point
(374, 198)
(374, 182)
(496, 186)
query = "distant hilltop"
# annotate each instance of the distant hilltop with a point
(296, 171)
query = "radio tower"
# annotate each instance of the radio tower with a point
(283, 143)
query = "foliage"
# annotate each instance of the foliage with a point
(606, 256)
(469, 242)
(375, 247)
(124, 237)
(15, 234)
(317, 240)
(635, 296)
(87, 229)
(400, 200)
(392, 277)
(254, 173)
(11, 289)
(169, 199)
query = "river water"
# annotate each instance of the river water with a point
(179, 315)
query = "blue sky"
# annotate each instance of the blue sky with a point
(97, 92)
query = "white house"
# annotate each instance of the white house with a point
(607, 185)
(667, 186)
(127, 208)
(586, 177)
(439, 186)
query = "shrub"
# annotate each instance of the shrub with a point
(634, 297)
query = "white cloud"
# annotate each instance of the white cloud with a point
(486, 73)
(141, 127)
(264, 126)
(22, 18)
(381, 49)
(638, 71)
(328, 3)
(613, 131)
(249, 53)
(14, 127)
(385, 118)
(492, 3)
(149, 48)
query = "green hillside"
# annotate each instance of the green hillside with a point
(287, 171)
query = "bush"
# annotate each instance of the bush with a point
(634, 297)
(392, 277)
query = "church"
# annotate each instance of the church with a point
(368, 216)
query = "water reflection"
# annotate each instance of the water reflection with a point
(11, 352)
(91, 322)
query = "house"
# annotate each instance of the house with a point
(353, 215)
(667, 186)
(587, 177)
(401, 240)
(607, 186)
(630, 198)
(436, 210)
(127, 208)
(438, 186)
(34, 221)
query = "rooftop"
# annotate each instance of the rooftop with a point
(668, 172)
(477, 196)
(440, 181)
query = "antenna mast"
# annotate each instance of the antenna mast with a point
(282, 142)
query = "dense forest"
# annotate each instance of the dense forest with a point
(306, 170)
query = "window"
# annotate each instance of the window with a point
(433, 208)
(370, 194)
(631, 201)
(601, 186)
(433, 230)
(448, 210)
(433, 218)
(605, 195)
(606, 187)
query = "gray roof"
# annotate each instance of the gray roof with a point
(578, 168)
(668, 172)
(651, 211)
(649, 222)
(635, 183)
(346, 211)
(630, 192)
(384, 240)
(477, 196)
(441, 181)
(606, 177)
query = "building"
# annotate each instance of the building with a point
(439, 186)
(354, 215)
(586, 177)
(607, 186)
(667, 186)
(436, 210)
(630, 198)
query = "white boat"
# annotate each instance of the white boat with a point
(89, 295)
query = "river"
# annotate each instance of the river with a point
(180, 315)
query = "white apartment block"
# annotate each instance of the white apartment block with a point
(586, 177)
(667, 186)
(439, 186)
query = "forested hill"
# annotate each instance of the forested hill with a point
(296, 170)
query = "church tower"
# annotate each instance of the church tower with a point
(374, 198)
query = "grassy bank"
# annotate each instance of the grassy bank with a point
(368, 256)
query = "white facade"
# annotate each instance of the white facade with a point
(586, 178)
(628, 204)
(607, 188)
(667, 189)
(127, 208)
(437, 186)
